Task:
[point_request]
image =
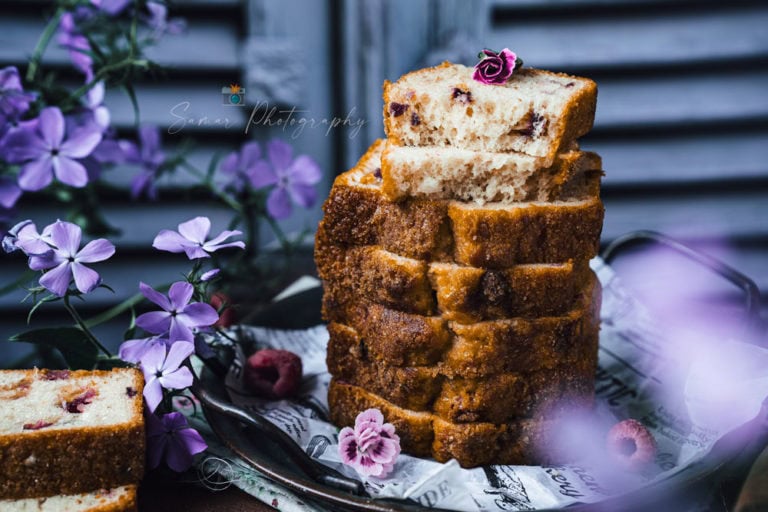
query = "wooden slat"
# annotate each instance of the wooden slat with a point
(692, 216)
(594, 41)
(210, 44)
(680, 159)
(653, 101)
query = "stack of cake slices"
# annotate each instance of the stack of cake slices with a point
(455, 262)
(71, 440)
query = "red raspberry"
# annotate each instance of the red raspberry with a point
(227, 315)
(273, 373)
(631, 445)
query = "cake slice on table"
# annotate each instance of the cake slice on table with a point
(538, 113)
(69, 432)
(495, 235)
(120, 499)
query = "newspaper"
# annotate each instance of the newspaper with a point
(637, 378)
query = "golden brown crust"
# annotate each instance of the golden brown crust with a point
(459, 293)
(501, 346)
(426, 435)
(73, 461)
(497, 398)
(490, 237)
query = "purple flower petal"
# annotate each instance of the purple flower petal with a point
(230, 163)
(155, 296)
(152, 361)
(191, 439)
(149, 135)
(57, 279)
(133, 350)
(66, 237)
(9, 192)
(157, 448)
(177, 457)
(22, 144)
(303, 195)
(81, 143)
(305, 171)
(96, 250)
(199, 314)
(278, 203)
(52, 126)
(196, 229)
(249, 155)
(36, 174)
(178, 352)
(195, 252)
(280, 154)
(44, 261)
(69, 171)
(178, 379)
(369, 416)
(86, 279)
(261, 175)
(207, 276)
(153, 393)
(179, 294)
(179, 331)
(156, 322)
(171, 241)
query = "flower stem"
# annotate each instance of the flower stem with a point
(278, 231)
(80, 323)
(130, 61)
(42, 44)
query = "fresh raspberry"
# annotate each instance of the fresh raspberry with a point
(227, 315)
(273, 373)
(631, 444)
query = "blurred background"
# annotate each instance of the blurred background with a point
(682, 119)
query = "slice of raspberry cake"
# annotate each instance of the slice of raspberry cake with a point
(70, 432)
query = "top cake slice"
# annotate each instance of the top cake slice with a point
(536, 112)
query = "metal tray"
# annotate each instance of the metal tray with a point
(276, 456)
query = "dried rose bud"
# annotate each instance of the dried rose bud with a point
(273, 373)
(496, 68)
(631, 445)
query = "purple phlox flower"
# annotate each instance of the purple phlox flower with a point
(9, 192)
(171, 438)
(372, 446)
(149, 154)
(24, 237)
(162, 370)
(190, 239)
(160, 24)
(111, 7)
(178, 317)
(65, 261)
(49, 150)
(133, 350)
(293, 179)
(70, 38)
(13, 100)
(240, 165)
(207, 276)
(94, 103)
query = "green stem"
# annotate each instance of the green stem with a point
(219, 194)
(79, 321)
(130, 61)
(42, 44)
(115, 310)
(278, 231)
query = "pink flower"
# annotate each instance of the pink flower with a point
(495, 68)
(372, 446)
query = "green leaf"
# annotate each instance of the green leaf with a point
(71, 342)
(48, 298)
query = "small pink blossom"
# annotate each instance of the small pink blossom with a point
(372, 446)
(495, 68)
